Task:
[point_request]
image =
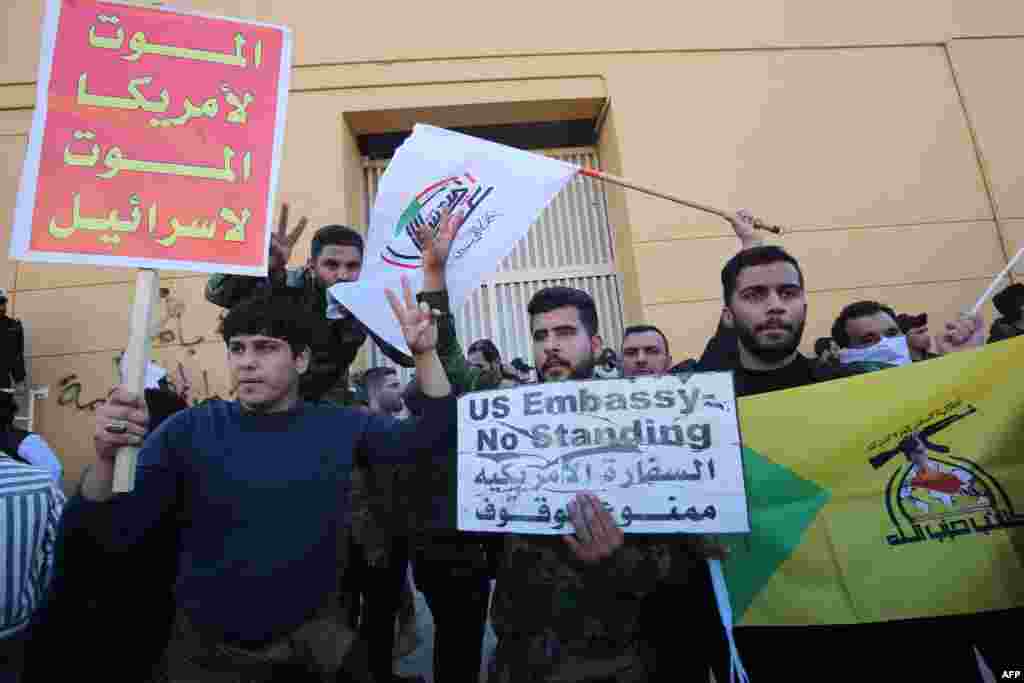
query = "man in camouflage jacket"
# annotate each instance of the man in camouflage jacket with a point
(569, 608)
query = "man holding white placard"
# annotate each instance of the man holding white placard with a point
(569, 608)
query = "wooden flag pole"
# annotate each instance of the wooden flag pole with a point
(995, 283)
(133, 365)
(615, 180)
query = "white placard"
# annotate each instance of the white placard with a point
(662, 453)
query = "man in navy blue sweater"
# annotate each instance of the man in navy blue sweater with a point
(258, 489)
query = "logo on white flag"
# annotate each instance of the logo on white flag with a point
(498, 191)
(454, 192)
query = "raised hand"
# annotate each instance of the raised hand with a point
(744, 225)
(436, 245)
(282, 242)
(417, 322)
(966, 333)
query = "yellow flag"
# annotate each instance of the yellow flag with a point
(891, 495)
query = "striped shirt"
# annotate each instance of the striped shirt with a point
(30, 509)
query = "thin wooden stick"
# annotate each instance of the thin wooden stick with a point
(136, 357)
(995, 283)
(615, 180)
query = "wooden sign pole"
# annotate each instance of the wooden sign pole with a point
(133, 365)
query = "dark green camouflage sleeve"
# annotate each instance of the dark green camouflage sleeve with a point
(462, 376)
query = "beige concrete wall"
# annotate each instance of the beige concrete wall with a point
(863, 153)
(858, 127)
(995, 113)
(331, 33)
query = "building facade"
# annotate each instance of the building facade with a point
(883, 136)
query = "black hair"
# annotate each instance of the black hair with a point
(822, 345)
(909, 322)
(270, 316)
(1009, 301)
(748, 258)
(640, 329)
(520, 365)
(551, 298)
(487, 348)
(340, 235)
(858, 309)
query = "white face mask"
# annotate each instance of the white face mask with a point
(891, 350)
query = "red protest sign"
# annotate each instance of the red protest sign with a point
(156, 139)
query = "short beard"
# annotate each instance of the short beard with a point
(770, 354)
(585, 370)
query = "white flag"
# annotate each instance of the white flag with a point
(500, 190)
